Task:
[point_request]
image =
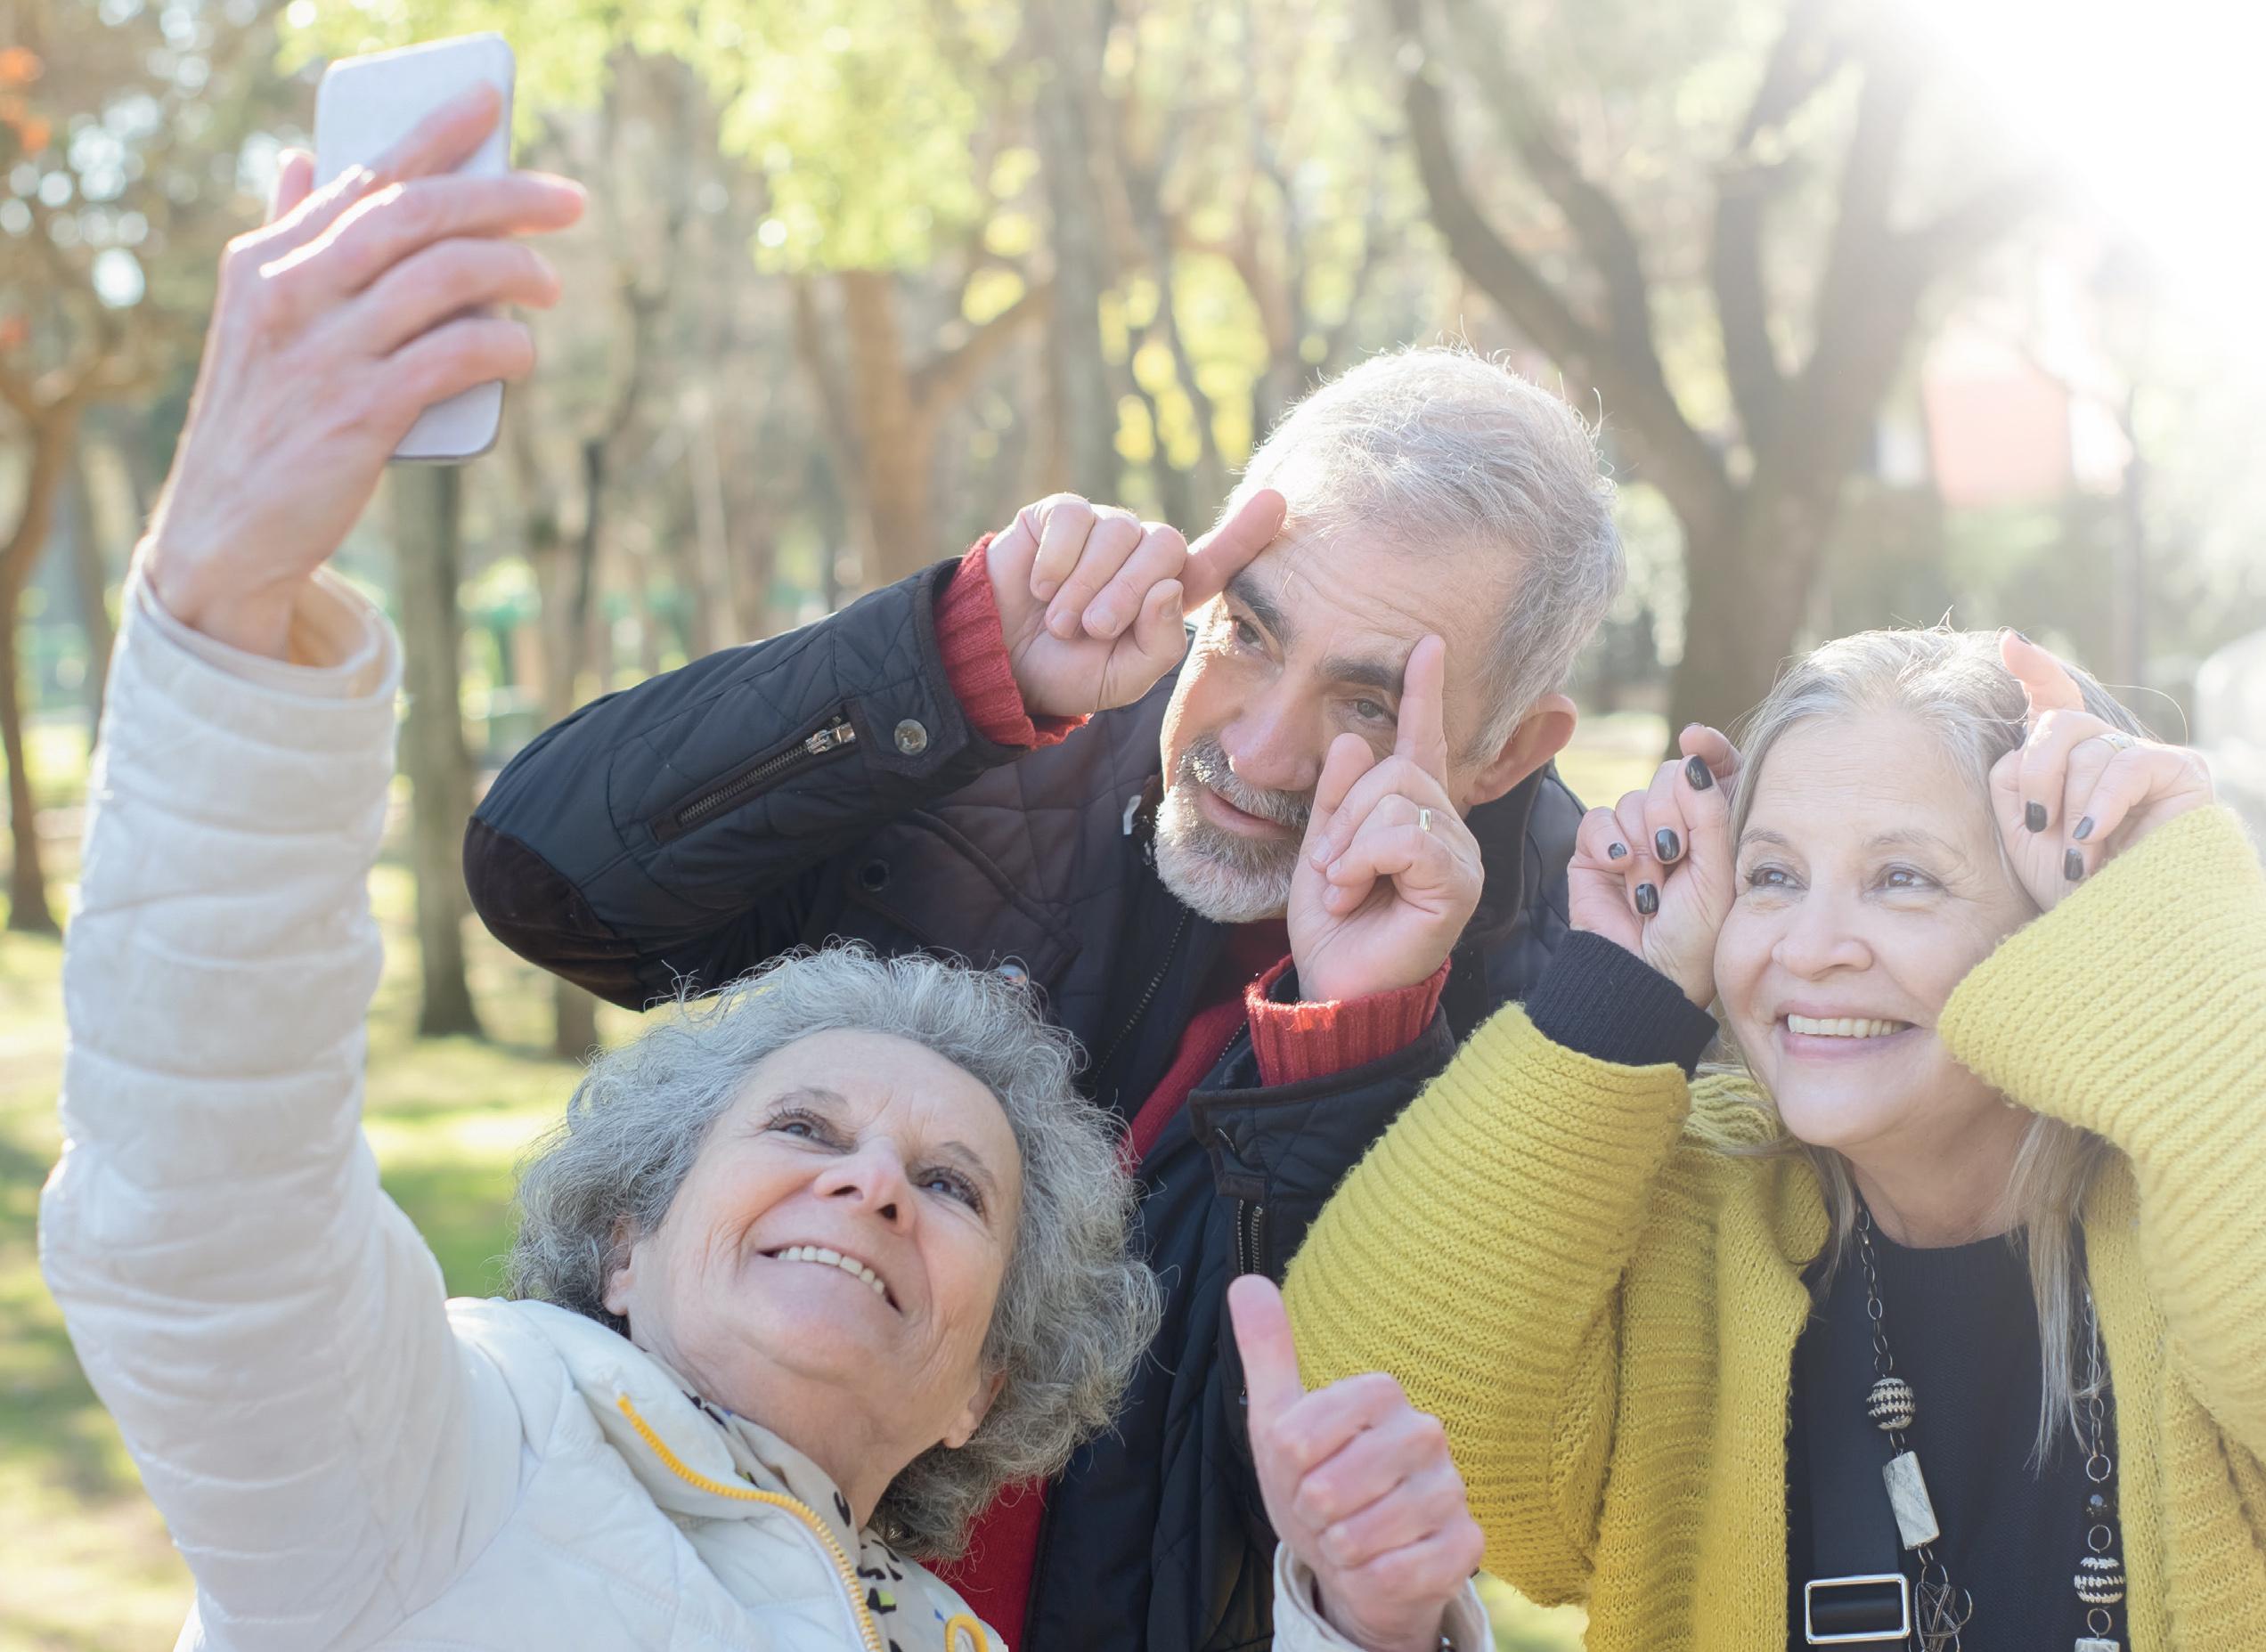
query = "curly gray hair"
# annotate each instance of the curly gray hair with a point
(1075, 1312)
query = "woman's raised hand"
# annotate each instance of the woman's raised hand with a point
(354, 309)
(1655, 875)
(2079, 791)
(1358, 1484)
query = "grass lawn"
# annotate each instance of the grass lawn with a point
(85, 1562)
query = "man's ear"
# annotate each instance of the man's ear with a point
(979, 1407)
(1541, 735)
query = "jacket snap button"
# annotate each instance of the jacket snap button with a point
(912, 739)
(1013, 973)
(874, 875)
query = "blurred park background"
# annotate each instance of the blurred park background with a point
(1890, 311)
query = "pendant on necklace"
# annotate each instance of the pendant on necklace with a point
(2093, 1643)
(1908, 1496)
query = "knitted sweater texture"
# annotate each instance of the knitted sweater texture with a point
(1559, 1257)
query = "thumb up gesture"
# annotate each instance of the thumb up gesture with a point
(1358, 1484)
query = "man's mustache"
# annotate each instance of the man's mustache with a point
(1206, 763)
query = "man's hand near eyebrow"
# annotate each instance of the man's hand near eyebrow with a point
(1389, 874)
(1091, 599)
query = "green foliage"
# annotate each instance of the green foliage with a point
(861, 115)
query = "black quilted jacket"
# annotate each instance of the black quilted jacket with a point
(825, 784)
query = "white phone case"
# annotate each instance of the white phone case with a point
(364, 107)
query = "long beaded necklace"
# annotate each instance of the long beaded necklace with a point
(1942, 1608)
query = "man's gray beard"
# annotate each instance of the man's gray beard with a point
(1221, 875)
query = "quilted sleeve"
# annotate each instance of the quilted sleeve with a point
(264, 1324)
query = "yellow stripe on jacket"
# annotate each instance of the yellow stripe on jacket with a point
(1555, 1254)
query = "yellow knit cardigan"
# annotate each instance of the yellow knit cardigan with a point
(1555, 1255)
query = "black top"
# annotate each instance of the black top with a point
(1963, 1326)
(1961, 1322)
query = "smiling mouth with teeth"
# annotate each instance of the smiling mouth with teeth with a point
(825, 1258)
(1843, 1027)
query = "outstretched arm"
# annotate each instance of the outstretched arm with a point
(263, 1322)
(265, 1325)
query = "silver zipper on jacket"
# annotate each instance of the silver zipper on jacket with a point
(837, 735)
(1249, 1218)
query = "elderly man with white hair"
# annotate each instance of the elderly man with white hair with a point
(1180, 790)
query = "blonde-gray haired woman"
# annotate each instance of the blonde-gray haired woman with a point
(1943, 1318)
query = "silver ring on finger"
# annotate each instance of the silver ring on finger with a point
(2115, 739)
(1423, 820)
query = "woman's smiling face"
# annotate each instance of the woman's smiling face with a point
(844, 1147)
(1869, 881)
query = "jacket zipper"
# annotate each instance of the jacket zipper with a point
(860, 1620)
(834, 737)
(1249, 1218)
(1148, 994)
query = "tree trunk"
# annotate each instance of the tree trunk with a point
(574, 1012)
(894, 443)
(428, 517)
(715, 617)
(91, 571)
(1069, 41)
(1748, 584)
(52, 440)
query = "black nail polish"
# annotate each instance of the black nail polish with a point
(2072, 865)
(1616, 851)
(1648, 899)
(1666, 844)
(2033, 816)
(2084, 829)
(1698, 774)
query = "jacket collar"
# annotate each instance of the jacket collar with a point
(679, 1445)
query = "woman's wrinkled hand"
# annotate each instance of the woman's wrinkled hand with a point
(1358, 1484)
(357, 307)
(1655, 874)
(2078, 791)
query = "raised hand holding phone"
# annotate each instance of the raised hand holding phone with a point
(1359, 1486)
(364, 109)
(336, 324)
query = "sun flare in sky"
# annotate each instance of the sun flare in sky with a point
(2156, 111)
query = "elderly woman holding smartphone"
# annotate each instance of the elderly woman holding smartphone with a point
(806, 1275)
(1939, 1316)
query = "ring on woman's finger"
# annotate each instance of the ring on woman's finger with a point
(2115, 739)
(1423, 819)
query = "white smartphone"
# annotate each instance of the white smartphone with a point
(364, 107)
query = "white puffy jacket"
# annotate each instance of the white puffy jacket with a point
(346, 1459)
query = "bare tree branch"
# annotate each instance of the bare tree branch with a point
(1678, 457)
(1803, 59)
(1868, 296)
(945, 377)
(1598, 222)
(1964, 230)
